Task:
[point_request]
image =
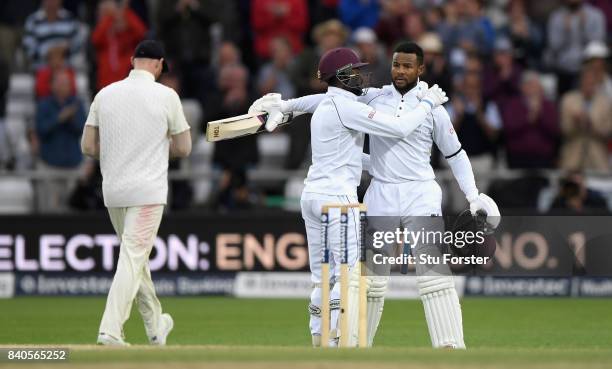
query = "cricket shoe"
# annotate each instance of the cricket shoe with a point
(166, 325)
(108, 340)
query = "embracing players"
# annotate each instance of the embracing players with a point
(403, 184)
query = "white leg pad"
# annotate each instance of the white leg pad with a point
(353, 307)
(442, 311)
(334, 309)
(377, 287)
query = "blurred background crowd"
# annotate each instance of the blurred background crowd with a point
(529, 84)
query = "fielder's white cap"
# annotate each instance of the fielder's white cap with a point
(364, 35)
(596, 49)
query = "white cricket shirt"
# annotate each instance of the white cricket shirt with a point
(135, 118)
(397, 160)
(337, 133)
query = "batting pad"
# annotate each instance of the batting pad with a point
(377, 287)
(443, 315)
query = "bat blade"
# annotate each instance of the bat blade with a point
(242, 125)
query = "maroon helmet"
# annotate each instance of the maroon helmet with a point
(337, 60)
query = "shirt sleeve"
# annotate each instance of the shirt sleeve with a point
(364, 118)
(369, 95)
(92, 118)
(307, 104)
(444, 134)
(177, 123)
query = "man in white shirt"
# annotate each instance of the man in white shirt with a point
(337, 134)
(133, 127)
(404, 187)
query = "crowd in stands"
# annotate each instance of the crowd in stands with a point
(528, 81)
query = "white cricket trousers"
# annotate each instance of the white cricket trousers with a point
(312, 205)
(136, 228)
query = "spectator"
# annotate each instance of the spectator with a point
(359, 13)
(278, 18)
(59, 123)
(115, 37)
(476, 121)
(372, 52)
(531, 126)
(274, 75)
(227, 55)
(502, 78)
(606, 7)
(390, 23)
(234, 157)
(595, 56)
(56, 62)
(13, 14)
(183, 24)
(575, 198)
(413, 26)
(50, 26)
(586, 122)
(327, 35)
(437, 70)
(466, 29)
(570, 29)
(526, 36)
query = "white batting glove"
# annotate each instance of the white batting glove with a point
(486, 204)
(435, 96)
(274, 119)
(266, 103)
(422, 88)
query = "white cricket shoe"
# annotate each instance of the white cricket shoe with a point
(108, 340)
(166, 324)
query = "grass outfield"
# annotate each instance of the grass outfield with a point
(228, 333)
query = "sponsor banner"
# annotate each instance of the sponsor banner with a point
(186, 244)
(593, 287)
(299, 285)
(7, 285)
(539, 287)
(71, 284)
(532, 246)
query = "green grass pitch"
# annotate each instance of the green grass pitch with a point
(260, 333)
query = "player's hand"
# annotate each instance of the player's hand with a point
(435, 96)
(274, 119)
(484, 203)
(266, 103)
(422, 88)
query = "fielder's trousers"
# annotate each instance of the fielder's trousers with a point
(136, 228)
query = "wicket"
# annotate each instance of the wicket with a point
(344, 275)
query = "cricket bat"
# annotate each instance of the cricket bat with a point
(242, 125)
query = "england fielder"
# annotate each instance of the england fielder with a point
(337, 134)
(133, 126)
(403, 186)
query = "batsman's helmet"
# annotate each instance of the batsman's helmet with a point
(336, 60)
(341, 63)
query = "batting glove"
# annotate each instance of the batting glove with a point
(266, 103)
(435, 96)
(422, 88)
(484, 203)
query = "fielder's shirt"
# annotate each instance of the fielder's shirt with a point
(135, 118)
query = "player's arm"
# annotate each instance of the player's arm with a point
(364, 118)
(178, 128)
(180, 144)
(90, 142)
(449, 145)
